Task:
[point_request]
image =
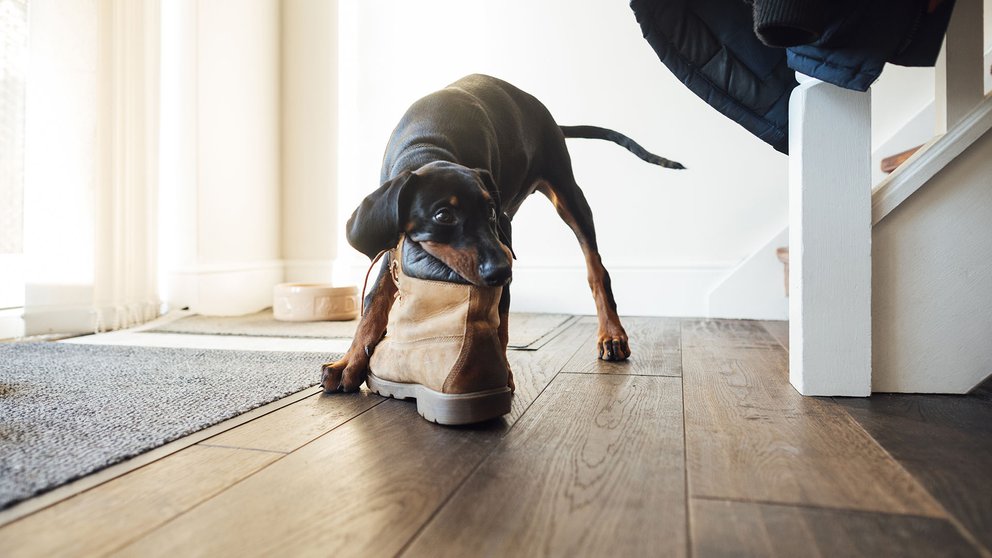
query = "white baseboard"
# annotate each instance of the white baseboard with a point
(11, 323)
(86, 318)
(225, 289)
(674, 289)
(55, 308)
(11, 280)
(754, 289)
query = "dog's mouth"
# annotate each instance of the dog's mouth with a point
(441, 262)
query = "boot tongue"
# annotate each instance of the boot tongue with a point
(419, 264)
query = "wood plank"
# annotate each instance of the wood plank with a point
(531, 331)
(595, 468)
(108, 516)
(655, 345)
(779, 330)
(741, 529)
(291, 427)
(362, 489)
(534, 370)
(943, 441)
(716, 334)
(751, 436)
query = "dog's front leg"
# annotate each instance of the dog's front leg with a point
(504, 331)
(348, 373)
(611, 340)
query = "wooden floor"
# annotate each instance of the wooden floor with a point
(697, 446)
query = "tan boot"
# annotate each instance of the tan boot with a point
(442, 348)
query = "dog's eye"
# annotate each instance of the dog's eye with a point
(492, 214)
(445, 216)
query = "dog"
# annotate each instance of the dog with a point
(456, 169)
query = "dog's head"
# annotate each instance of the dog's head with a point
(451, 211)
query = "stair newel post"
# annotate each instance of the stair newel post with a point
(830, 239)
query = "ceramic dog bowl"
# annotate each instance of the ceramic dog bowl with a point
(313, 302)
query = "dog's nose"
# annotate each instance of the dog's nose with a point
(495, 273)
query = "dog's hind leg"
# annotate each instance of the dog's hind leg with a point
(348, 373)
(572, 207)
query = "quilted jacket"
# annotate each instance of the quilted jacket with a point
(741, 56)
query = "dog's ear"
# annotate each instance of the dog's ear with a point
(490, 184)
(377, 223)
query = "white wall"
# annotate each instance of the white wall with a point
(309, 139)
(59, 199)
(257, 110)
(90, 174)
(238, 130)
(755, 289)
(666, 236)
(221, 142)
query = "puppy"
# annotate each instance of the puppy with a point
(457, 167)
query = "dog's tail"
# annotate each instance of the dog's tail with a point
(595, 132)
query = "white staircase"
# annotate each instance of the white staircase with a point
(932, 265)
(891, 290)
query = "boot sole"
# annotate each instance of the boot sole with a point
(446, 408)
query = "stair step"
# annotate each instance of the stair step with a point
(783, 256)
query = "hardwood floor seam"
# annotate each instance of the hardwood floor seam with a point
(131, 540)
(811, 506)
(685, 451)
(452, 494)
(594, 373)
(243, 448)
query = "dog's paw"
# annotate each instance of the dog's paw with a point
(509, 381)
(613, 344)
(345, 375)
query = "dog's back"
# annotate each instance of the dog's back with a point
(479, 122)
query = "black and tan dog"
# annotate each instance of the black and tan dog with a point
(456, 169)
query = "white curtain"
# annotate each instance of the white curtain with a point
(13, 46)
(91, 152)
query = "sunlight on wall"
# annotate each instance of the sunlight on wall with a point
(176, 41)
(13, 66)
(61, 133)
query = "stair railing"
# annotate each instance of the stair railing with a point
(830, 211)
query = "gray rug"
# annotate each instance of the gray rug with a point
(68, 410)
(527, 331)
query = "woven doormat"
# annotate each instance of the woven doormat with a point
(528, 331)
(68, 410)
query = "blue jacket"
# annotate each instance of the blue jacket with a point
(741, 57)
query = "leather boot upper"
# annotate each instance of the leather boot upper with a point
(440, 334)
